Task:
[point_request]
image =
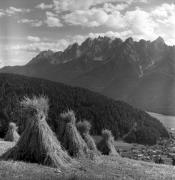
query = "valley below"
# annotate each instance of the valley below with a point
(162, 153)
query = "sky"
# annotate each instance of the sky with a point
(30, 26)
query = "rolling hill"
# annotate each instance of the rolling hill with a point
(140, 73)
(101, 111)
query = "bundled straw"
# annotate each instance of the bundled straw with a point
(106, 146)
(12, 134)
(84, 128)
(38, 143)
(72, 140)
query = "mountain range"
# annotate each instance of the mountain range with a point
(141, 73)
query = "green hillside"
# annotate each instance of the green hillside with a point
(101, 111)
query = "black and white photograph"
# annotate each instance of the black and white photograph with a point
(87, 89)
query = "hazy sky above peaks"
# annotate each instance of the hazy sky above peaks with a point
(30, 26)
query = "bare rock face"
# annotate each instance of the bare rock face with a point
(42, 57)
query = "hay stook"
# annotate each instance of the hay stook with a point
(106, 145)
(84, 129)
(71, 139)
(12, 134)
(38, 143)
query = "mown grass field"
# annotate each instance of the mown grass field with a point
(107, 168)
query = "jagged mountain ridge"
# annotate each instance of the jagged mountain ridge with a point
(136, 72)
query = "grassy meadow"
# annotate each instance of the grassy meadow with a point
(109, 167)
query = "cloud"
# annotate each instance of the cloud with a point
(16, 58)
(13, 10)
(109, 16)
(41, 46)
(78, 12)
(138, 23)
(11, 57)
(164, 16)
(32, 22)
(88, 18)
(37, 44)
(164, 11)
(52, 20)
(33, 38)
(72, 5)
(108, 7)
(44, 6)
(1, 13)
(95, 17)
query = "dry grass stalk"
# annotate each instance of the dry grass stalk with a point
(106, 146)
(12, 134)
(38, 143)
(72, 140)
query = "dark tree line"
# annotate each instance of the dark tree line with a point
(101, 111)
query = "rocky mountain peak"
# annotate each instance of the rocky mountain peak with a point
(142, 54)
(43, 55)
(160, 40)
(46, 53)
(72, 47)
(129, 40)
(87, 43)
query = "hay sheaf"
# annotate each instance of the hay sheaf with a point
(106, 146)
(40, 104)
(72, 140)
(38, 143)
(84, 129)
(12, 134)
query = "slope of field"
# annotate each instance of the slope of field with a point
(168, 121)
(108, 168)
